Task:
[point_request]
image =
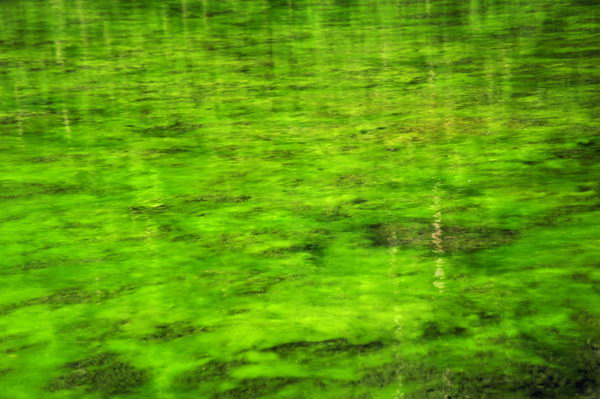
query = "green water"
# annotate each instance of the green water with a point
(299, 199)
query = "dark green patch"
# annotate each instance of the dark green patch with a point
(71, 296)
(452, 239)
(257, 387)
(9, 120)
(563, 213)
(211, 371)
(464, 239)
(584, 152)
(142, 209)
(44, 159)
(174, 129)
(314, 248)
(19, 190)
(574, 376)
(169, 332)
(434, 330)
(167, 151)
(36, 264)
(380, 376)
(326, 347)
(103, 373)
(67, 296)
(218, 198)
(257, 285)
(408, 233)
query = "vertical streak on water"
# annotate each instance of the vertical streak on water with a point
(204, 12)
(61, 62)
(85, 43)
(184, 17)
(19, 113)
(58, 11)
(110, 41)
(165, 21)
(393, 250)
(18, 87)
(436, 236)
(83, 40)
(437, 240)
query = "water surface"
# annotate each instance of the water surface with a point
(299, 199)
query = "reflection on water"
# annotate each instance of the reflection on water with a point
(438, 241)
(299, 199)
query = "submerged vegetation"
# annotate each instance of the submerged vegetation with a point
(336, 199)
(102, 373)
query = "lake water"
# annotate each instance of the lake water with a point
(337, 199)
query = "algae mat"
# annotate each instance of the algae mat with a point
(299, 199)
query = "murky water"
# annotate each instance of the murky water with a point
(299, 199)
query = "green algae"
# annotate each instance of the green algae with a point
(211, 371)
(168, 332)
(102, 373)
(417, 234)
(299, 199)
